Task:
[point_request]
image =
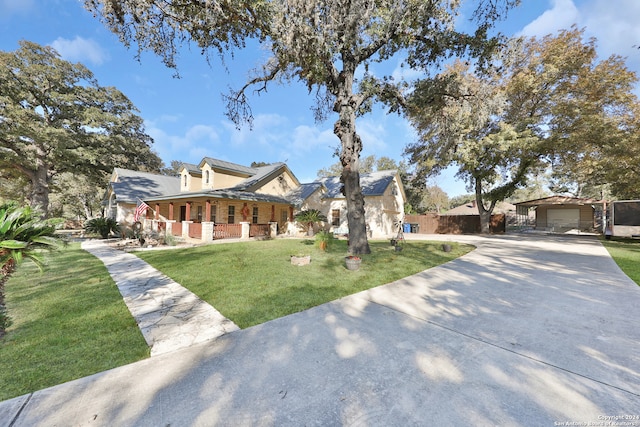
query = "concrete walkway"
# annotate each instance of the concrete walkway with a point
(523, 331)
(170, 317)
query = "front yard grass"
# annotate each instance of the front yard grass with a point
(71, 321)
(68, 322)
(626, 253)
(253, 282)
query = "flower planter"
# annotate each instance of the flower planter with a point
(300, 259)
(352, 263)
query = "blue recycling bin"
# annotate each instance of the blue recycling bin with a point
(407, 228)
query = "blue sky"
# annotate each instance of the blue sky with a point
(185, 116)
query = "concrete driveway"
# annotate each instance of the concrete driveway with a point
(523, 331)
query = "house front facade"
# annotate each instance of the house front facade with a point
(218, 199)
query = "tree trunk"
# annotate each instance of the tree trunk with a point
(40, 187)
(351, 144)
(485, 214)
(5, 272)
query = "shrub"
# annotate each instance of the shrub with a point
(102, 226)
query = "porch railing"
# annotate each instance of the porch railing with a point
(195, 230)
(227, 231)
(259, 230)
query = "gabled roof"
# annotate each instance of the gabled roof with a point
(373, 184)
(302, 193)
(131, 185)
(559, 200)
(262, 175)
(227, 166)
(192, 169)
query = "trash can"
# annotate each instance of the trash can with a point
(407, 228)
(415, 228)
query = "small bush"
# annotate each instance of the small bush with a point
(102, 226)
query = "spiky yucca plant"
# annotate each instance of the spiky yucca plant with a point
(23, 235)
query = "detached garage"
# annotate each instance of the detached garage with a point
(561, 213)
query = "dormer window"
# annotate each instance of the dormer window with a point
(185, 181)
(206, 177)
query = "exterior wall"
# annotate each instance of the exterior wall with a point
(193, 183)
(206, 169)
(221, 180)
(278, 186)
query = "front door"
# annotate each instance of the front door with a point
(183, 213)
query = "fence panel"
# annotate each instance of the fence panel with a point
(454, 224)
(259, 230)
(227, 231)
(195, 230)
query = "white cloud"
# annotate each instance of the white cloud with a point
(80, 50)
(562, 15)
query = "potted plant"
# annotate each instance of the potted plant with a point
(323, 239)
(308, 218)
(352, 262)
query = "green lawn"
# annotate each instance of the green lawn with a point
(253, 282)
(68, 322)
(626, 253)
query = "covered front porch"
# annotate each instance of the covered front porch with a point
(211, 217)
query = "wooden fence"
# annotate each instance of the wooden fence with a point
(259, 230)
(453, 224)
(227, 231)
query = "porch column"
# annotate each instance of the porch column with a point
(273, 213)
(157, 212)
(245, 230)
(187, 213)
(207, 231)
(291, 213)
(207, 212)
(245, 211)
(273, 231)
(171, 211)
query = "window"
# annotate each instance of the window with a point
(335, 217)
(185, 180)
(199, 214)
(214, 208)
(284, 216)
(206, 177)
(255, 215)
(232, 215)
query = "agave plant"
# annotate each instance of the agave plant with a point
(23, 235)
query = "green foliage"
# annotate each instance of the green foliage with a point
(23, 235)
(253, 282)
(102, 226)
(57, 120)
(69, 322)
(324, 239)
(308, 218)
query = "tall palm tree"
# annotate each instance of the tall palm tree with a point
(23, 234)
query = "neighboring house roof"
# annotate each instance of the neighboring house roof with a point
(227, 166)
(302, 193)
(559, 200)
(372, 184)
(471, 209)
(132, 185)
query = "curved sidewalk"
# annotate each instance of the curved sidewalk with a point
(523, 331)
(169, 316)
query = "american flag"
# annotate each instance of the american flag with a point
(140, 211)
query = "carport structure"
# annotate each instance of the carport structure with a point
(563, 213)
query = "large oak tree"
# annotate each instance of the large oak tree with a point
(545, 104)
(55, 118)
(325, 45)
